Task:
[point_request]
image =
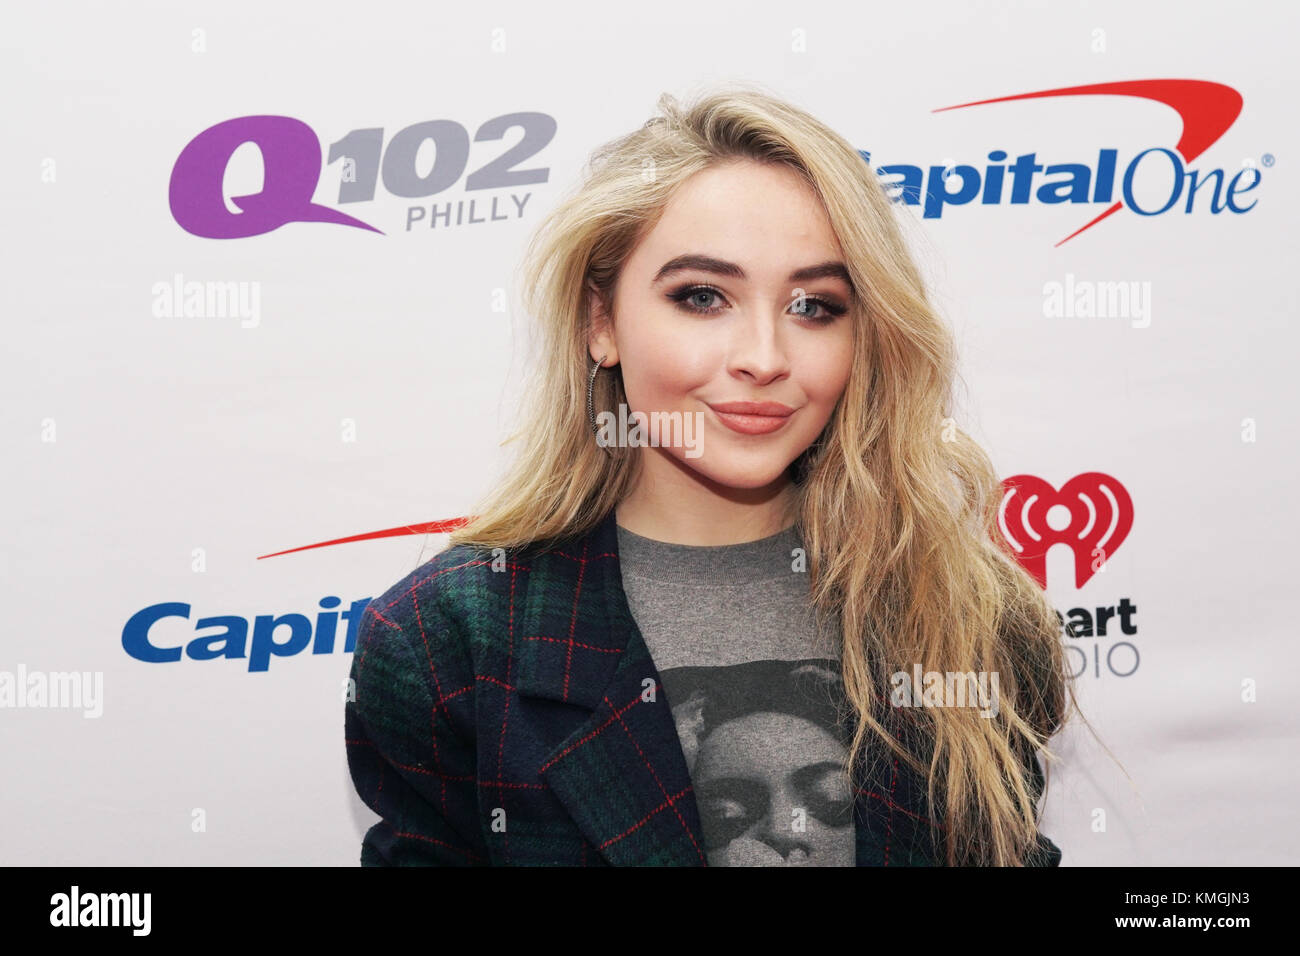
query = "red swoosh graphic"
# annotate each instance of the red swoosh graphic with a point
(1207, 110)
(430, 527)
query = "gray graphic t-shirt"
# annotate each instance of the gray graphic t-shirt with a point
(756, 694)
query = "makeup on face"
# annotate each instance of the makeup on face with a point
(829, 306)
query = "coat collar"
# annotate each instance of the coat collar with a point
(622, 775)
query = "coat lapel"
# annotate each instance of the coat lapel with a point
(621, 775)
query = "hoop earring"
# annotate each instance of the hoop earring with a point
(591, 407)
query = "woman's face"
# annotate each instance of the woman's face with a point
(765, 802)
(738, 294)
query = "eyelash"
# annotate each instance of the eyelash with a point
(680, 296)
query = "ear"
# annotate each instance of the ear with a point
(600, 329)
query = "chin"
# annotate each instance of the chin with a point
(736, 472)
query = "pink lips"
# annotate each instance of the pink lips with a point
(752, 418)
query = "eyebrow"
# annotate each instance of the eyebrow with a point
(824, 270)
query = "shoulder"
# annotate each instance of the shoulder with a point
(463, 595)
(416, 643)
(431, 637)
(448, 591)
(465, 602)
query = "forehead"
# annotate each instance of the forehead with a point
(757, 743)
(764, 217)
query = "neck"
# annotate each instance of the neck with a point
(672, 502)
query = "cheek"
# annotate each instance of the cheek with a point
(825, 370)
(661, 371)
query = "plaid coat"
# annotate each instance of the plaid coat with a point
(499, 717)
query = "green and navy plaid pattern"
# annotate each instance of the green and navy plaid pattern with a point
(514, 717)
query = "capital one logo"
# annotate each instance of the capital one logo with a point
(1107, 183)
(1091, 514)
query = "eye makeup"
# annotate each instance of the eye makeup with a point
(683, 295)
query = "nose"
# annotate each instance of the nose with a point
(776, 829)
(757, 351)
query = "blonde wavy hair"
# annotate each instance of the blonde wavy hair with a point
(897, 507)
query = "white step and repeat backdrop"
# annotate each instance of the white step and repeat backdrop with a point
(223, 346)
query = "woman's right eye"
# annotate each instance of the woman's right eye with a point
(689, 298)
(725, 809)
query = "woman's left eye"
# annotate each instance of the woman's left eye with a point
(805, 306)
(806, 302)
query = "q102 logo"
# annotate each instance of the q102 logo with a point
(1091, 514)
(291, 162)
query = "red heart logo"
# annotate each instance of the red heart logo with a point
(1100, 516)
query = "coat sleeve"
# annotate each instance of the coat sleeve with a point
(1044, 852)
(1032, 664)
(409, 733)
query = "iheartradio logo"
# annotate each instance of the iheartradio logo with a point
(1091, 514)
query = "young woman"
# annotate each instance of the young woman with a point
(702, 643)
